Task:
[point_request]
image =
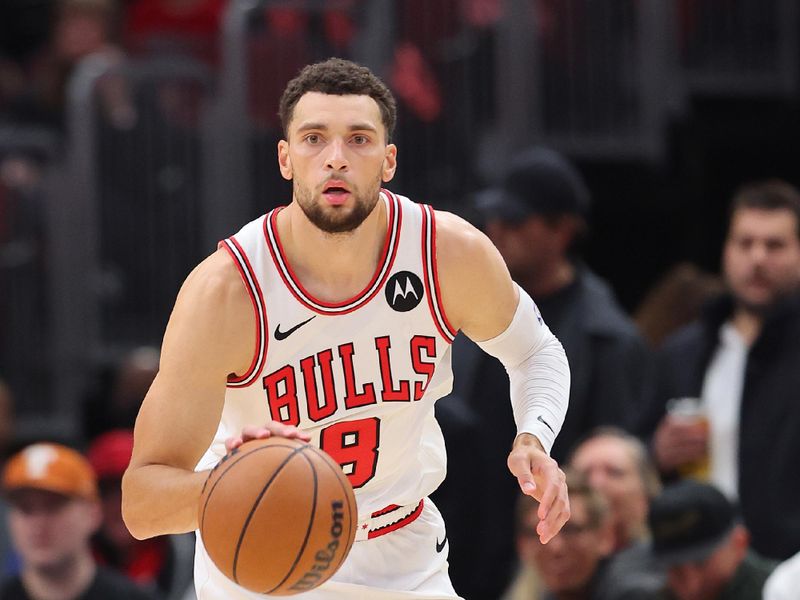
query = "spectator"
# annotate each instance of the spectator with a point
(741, 358)
(119, 391)
(699, 539)
(784, 582)
(162, 564)
(537, 219)
(81, 28)
(618, 465)
(573, 565)
(53, 512)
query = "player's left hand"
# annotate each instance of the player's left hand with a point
(269, 429)
(540, 477)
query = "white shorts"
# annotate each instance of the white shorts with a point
(403, 564)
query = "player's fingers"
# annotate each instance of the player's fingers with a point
(253, 432)
(553, 487)
(287, 431)
(249, 432)
(527, 485)
(549, 530)
(547, 501)
(557, 514)
(520, 467)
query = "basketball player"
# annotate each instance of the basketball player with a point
(330, 321)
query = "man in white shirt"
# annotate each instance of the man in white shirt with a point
(741, 359)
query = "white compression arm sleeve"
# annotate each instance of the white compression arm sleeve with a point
(537, 370)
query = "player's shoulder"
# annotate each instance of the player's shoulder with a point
(214, 306)
(476, 287)
(215, 279)
(458, 240)
(453, 224)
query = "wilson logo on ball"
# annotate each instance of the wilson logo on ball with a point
(324, 557)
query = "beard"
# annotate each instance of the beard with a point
(337, 219)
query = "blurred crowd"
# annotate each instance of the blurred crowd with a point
(694, 395)
(681, 440)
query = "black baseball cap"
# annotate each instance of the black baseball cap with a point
(688, 521)
(538, 181)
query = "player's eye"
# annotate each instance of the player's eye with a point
(312, 138)
(360, 140)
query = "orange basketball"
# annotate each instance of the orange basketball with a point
(277, 516)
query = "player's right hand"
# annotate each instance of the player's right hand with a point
(540, 477)
(677, 442)
(269, 429)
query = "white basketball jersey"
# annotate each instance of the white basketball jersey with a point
(360, 376)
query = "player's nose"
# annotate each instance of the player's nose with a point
(337, 158)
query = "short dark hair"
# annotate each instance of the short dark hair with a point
(338, 77)
(772, 194)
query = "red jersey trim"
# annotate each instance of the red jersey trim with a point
(397, 524)
(431, 275)
(257, 298)
(395, 218)
(385, 510)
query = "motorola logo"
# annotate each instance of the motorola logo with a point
(404, 291)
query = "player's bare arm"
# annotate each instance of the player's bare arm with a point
(482, 301)
(210, 334)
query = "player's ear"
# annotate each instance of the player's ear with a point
(389, 163)
(284, 160)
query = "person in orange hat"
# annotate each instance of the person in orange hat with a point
(53, 511)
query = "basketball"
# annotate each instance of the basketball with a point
(277, 516)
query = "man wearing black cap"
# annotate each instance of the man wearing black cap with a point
(537, 219)
(698, 538)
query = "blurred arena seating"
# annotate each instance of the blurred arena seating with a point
(166, 150)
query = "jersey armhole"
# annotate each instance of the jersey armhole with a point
(430, 270)
(247, 274)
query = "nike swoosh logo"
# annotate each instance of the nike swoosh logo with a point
(282, 335)
(440, 547)
(546, 424)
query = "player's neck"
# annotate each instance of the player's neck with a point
(332, 267)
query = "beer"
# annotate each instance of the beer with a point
(692, 411)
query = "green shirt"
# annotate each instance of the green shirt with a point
(748, 580)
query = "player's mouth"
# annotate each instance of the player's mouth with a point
(336, 192)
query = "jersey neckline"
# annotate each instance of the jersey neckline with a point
(379, 277)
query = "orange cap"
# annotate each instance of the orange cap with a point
(53, 468)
